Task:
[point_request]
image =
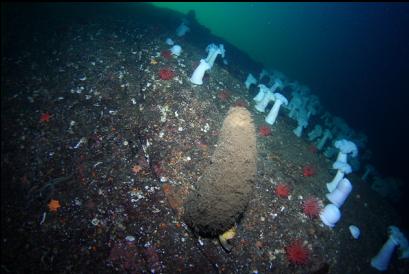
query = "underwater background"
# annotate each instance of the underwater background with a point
(135, 138)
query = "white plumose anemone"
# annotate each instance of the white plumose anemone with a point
(327, 135)
(197, 76)
(330, 215)
(342, 169)
(396, 238)
(355, 232)
(345, 147)
(261, 93)
(250, 80)
(182, 30)
(279, 100)
(176, 50)
(341, 193)
(262, 104)
(213, 52)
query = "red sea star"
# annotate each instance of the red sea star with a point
(166, 54)
(166, 74)
(308, 171)
(241, 103)
(223, 95)
(264, 131)
(45, 117)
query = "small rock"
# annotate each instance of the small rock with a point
(95, 221)
(130, 238)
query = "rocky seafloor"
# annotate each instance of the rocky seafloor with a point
(99, 154)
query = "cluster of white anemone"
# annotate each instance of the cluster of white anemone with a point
(207, 63)
(267, 95)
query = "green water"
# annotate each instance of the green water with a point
(254, 28)
(284, 35)
(303, 38)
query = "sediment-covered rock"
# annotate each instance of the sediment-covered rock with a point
(225, 188)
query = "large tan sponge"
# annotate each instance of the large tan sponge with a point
(225, 188)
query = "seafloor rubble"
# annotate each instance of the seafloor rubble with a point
(101, 147)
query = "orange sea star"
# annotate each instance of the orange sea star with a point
(136, 169)
(54, 205)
